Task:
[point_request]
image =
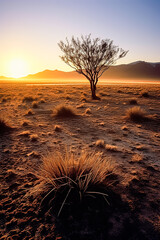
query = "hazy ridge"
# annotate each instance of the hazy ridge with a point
(135, 70)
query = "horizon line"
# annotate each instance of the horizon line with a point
(73, 70)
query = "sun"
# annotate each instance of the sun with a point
(18, 68)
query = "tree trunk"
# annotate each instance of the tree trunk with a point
(93, 90)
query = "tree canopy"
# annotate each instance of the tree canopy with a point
(90, 57)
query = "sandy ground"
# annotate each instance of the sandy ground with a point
(134, 149)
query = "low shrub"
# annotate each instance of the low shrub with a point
(63, 111)
(4, 126)
(100, 143)
(29, 112)
(57, 128)
(88, 111)
(133, 102)
(28, 99)
(145, 94)
(136, 114)
(111, 148)
(35, 104)
(67, 179)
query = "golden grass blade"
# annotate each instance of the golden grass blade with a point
(64, 201)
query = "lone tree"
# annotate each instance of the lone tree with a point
(90, 57)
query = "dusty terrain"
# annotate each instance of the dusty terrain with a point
(134, 149)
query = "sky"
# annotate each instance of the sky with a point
(31, 29)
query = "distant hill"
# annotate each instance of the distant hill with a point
(53, 74)
(135, 70)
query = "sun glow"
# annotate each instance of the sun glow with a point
(17, 68)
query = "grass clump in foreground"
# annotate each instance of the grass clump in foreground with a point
(136, 114)
(68, 180)
(4, 127)
(63, 111)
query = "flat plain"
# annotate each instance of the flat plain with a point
(132, 147)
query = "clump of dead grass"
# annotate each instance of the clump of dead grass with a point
(137, 158)
(25, 134)
(25, 123)
(88, 111)
(81, 105)
(133, 102)
(4, 126)
(145, 94)
(63, 111)
(136, 114)
(57, 128)
(100, 143)
(42, 101)
(34, 104)
(29, 112)
(34, 137)
(111, 148)
(28, 99)
(66, 178)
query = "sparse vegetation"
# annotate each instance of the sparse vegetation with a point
(88, 111)
(124, 128)
(28, 99)
(69, 179)
(145, 94)
(34, 137)
(29, 112)
(4, 126)
(42, 101)
(133, 102)
(137, 158)
(81, 105)
(83, 99)
(136, 114)
(25, 134)
(63, 111)
(100, 143)
(57, 128)
(111, 148)
(35, 104)
(25, 123)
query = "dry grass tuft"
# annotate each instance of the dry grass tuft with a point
(124, 128)
(29, 112)
(137, 158)
(136, 114)
(25, 124)
(4, 126)
(100, 143)
(88, 111)
(35, 104)
(145, 94)
(42, 101)
(111, 148)
(133, 102)
(81, 105)
(57, 128)
(25, 134)
(83, 99)
(63, 111)
(69, 179)
(34, 137)
(28, 99)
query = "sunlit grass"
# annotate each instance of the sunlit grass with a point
(67, 178)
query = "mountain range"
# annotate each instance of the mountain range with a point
(135, 70)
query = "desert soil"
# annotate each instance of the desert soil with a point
(132, 147)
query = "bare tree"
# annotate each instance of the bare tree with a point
(90, 57)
